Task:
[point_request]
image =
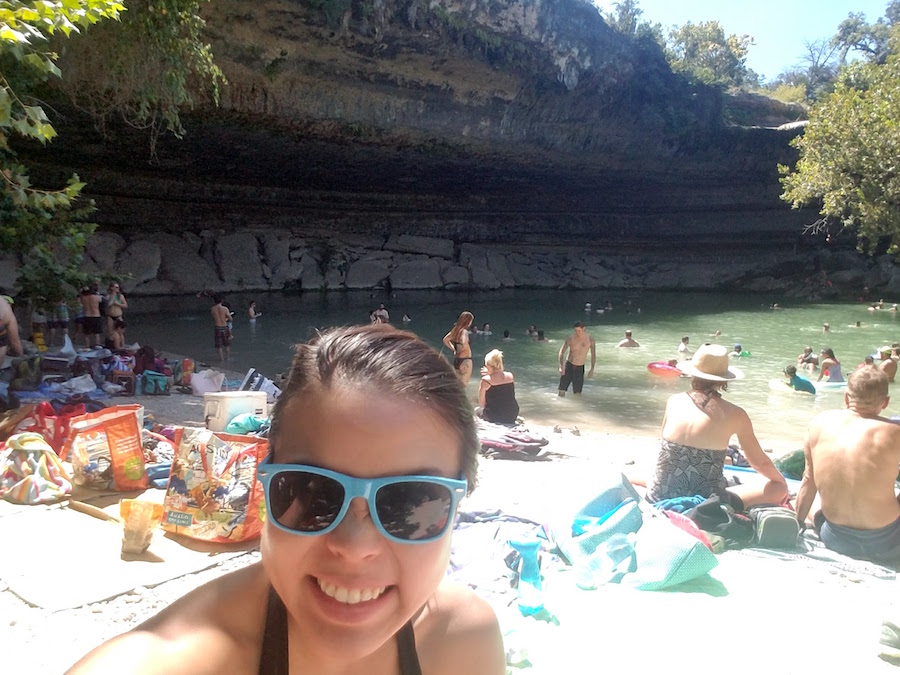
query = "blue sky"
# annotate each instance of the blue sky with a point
(780, 28)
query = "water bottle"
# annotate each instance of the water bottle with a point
(531, 596)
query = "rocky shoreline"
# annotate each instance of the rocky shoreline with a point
(167, 263)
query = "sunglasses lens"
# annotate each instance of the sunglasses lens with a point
(305, 502)
(414, 510)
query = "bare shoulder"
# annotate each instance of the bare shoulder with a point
(207, 631)
(457, 633)
(889, 430)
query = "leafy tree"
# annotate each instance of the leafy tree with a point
(141, 72)
(626, 19)
(141, 68)
(43, 227)
(703, 52)
(849, 153)
(868, 39)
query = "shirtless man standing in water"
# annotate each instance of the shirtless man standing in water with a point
(851, 461)
(571, 370)
(221, 316)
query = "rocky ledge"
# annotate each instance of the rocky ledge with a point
(281, 260)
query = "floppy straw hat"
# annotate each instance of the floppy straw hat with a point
(710, 362)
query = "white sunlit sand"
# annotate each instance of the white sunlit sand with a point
(751, 628)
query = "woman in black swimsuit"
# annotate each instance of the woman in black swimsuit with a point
(497, 392)
(372, 446)
(457, 341)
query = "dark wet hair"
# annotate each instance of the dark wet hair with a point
(790, 371)
(829, 352)
(391, 361)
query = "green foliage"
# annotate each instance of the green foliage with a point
(142, 65)
(850, 154)
(496, 49)
(703, 52)
(45, 229)
(871, 40)
(145, 69)
(789, 93)
(48, 234)
(273, 67)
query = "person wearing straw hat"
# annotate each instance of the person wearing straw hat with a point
(887, 366)
(697, 427)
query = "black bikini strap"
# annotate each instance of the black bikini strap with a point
(406, 644)
(273, 659)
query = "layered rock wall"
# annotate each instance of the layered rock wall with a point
(281, 260)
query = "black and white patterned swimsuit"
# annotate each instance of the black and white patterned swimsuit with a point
(684, 471)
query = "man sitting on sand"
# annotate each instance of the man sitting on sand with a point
(851, 461)
(628, 341)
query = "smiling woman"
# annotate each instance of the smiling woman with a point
(373, 445)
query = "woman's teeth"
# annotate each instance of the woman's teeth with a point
(351, 596)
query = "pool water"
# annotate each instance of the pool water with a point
(622, 396)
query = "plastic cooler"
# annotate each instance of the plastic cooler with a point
(220, 407)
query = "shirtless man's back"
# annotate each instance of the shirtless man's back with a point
(92, 324)
(852, 457)
(571, 369)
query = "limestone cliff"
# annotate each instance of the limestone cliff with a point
(522, 122)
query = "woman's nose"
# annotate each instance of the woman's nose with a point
(356, 536)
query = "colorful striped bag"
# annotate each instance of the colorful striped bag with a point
(31, 472)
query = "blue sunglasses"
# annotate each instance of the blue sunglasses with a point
(307, 500)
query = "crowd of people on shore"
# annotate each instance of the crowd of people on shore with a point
(99, 320)
(860, 517)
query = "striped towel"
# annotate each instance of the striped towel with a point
(31, 473)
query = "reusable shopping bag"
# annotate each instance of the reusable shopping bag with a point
(53, 424)
(31, 472)
(213, 494)
(106, 449)
(665, 555)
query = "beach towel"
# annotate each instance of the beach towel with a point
(31, 472)
(502, 442)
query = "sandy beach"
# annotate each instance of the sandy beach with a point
(45, 641)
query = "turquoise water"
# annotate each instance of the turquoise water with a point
(622, 396)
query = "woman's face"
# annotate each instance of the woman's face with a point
(364, 434)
